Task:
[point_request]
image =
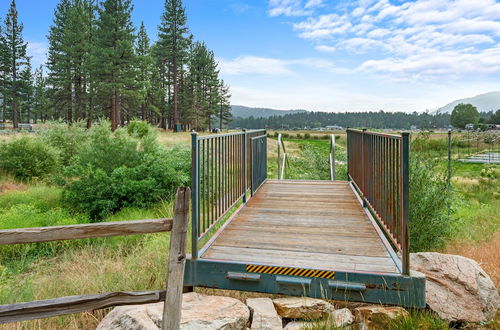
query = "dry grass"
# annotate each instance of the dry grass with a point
(486, 253)
(131, 266)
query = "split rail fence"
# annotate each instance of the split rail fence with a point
(172, 296)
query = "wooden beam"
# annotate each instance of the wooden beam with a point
(75, 304)
(104, 229)
(177, 260)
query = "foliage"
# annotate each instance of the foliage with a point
(381, 119)
(67, 139)
(495, 118)
(464, 114)
(139, 129)
(28, 158)
(429, 197)
(14, 64)
(113, 171)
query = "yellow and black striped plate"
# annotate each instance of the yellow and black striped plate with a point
(290, 271)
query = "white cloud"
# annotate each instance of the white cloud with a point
(254, 64)
(272, 66)
(293, 7)
(325, 48)
(403, 37)
(38, 53)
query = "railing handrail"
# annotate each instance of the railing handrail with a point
(77, 304)
(378, 168)
(332, 157)
(211, 136)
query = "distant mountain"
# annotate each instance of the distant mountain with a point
(245, 112)
(483, 102)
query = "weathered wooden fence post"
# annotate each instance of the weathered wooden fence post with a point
(177, 260)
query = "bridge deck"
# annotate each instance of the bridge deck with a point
(317, 225)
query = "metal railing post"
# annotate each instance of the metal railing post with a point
(363, 174)
(279, 163)
(195, 194)
(347, 149)
(244, 158)
(405, 172)
(449, 172)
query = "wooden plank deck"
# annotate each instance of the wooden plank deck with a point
(307, 224)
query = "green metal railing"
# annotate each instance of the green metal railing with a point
(222, 170)
(259, 161)
(378, 167)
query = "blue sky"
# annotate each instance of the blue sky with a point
(331, 55)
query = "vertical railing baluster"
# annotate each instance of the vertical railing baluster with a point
(195, 194)
(405, 168)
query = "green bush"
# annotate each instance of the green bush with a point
(139, 128)
(114, 171)
(28, 158)
(66, 139)
(307, 135)
(430, 225)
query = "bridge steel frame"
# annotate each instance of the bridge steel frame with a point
(406, 288)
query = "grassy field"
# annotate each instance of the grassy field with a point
(47, 270)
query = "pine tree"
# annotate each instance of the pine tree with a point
(224, 113)
(145, 70)
(40, 100)
(4, 70)
(172, 52)
(69, 53)
(26, 93)
(113, 58)
(16, 59)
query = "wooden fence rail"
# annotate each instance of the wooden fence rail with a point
(76, 304)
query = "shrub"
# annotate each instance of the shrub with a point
(139, 128)
(28, 158)
(66, 139)
(429, 196)
(299, 136)
(307, 135)
(114, 171)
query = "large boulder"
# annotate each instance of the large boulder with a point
(457, 288)
(198, 312)
(377, 317)
(302, 308)
(342, 317)
(264, 316)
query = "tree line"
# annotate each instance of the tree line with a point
(380, 119)
(100, 65)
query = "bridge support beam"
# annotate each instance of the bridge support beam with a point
(379, 288)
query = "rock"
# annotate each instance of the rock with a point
(377, 317)
(302, 308)
(297, 325)
(137, 317)
(264, 316)
(198, 312)
(342, 317)
(457, 288)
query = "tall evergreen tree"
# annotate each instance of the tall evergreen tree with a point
(40, 100)
(144, 71)
(15, 60)
(224, 112)
(69, 52)
(172, 52)
(113, 58)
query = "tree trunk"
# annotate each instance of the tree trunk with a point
(113, 115)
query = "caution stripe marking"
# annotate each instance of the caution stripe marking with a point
(290, 271)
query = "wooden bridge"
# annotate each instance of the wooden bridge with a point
(343, 240)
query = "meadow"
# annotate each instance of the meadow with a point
(47, 270)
